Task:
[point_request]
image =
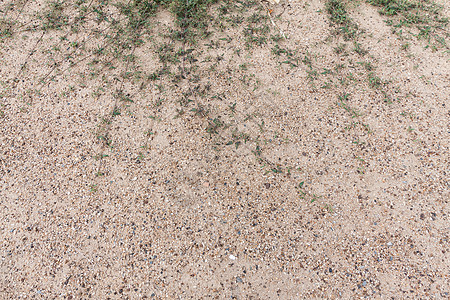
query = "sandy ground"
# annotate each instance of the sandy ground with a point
(178, 213)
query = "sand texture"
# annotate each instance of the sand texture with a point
(311, 167)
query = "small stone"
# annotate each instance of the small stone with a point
(238, 279)
(389, 244)
(433, 216)
(206, 184)
(232, 257)
(267, 185)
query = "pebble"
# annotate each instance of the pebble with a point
(232, 257)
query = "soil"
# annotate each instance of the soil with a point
(339, 192)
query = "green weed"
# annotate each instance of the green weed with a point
(425, 15)
(338, 15)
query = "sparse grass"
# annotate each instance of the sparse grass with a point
(343, 103)
(340, 49)
(375, 82)
(286, 56)
(257, 30)
(53, 16)
(181, 107)
(425, 15)
(6, 30)
(359, 49)
(178, 51)
(339, 17)
(348, 29)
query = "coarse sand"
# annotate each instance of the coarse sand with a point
(320, 193)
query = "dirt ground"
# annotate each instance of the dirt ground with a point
(317, 173)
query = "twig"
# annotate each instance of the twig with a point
(268, 10)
